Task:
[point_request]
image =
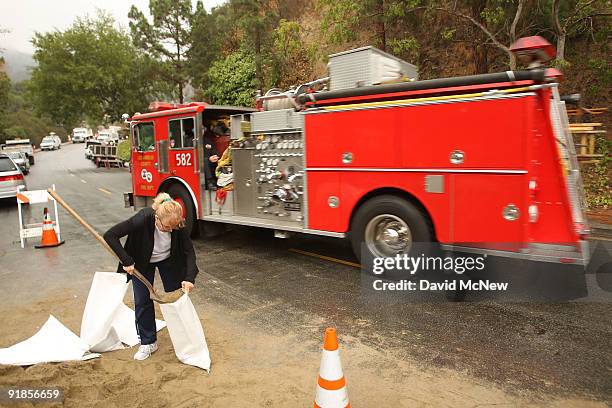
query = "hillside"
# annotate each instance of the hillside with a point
(17, 64)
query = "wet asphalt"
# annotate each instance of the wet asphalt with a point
(563, 348)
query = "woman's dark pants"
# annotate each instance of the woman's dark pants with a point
(145, 312)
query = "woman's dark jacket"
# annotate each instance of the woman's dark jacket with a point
(138, 247)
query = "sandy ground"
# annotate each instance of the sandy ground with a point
(250, 368)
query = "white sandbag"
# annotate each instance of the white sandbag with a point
(105, 296)
(186, 332)
(107, 322)
(54, 342)
(125, 327)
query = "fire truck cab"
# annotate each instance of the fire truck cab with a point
(483, 163)
(168, 153)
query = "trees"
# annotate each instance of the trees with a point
(573, 17)
(89, 71)
(205, 47)
(233, 79)
(256, 20)
(343, 18)
(5, 86)
(168, 39)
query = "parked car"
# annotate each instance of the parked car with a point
(51, 142)
(10, 177)
(21, 160)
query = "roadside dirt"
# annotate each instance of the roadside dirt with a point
(251, 367)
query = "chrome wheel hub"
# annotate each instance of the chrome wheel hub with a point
(387, 235)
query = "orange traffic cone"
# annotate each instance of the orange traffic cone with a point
(49, 237)
(331, 385)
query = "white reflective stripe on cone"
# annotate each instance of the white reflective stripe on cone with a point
(331, 368)
(331, 399)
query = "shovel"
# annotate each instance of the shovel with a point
(169, 297)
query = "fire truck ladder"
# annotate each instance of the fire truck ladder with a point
(567, 151)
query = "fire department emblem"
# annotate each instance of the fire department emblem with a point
(146, 175)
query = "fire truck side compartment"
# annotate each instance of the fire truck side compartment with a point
(397, 147)
(268, 169)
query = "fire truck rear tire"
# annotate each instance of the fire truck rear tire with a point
(396, 211)
(180, 192)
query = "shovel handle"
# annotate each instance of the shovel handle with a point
(138, 275)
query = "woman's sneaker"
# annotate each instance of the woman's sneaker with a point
(145, 351)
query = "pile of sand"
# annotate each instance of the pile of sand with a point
(250, 368)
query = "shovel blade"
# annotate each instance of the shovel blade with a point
(169, 297)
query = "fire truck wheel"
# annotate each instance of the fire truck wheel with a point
(386, 226)
(180, 194)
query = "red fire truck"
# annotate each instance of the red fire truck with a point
(482, 163)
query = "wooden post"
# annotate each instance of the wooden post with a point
(592, 144)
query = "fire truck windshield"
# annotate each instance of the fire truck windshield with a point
(144, 137)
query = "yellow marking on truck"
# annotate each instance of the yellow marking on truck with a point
(325, 258)
(104, 191)
(429, 99)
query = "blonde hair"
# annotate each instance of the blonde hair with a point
(169, 211)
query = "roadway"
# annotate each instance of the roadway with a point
(253, 286)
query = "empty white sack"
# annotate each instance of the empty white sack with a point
(54, 342)
(105, 296)
(107, 322)
(125, 327)
(186, 333)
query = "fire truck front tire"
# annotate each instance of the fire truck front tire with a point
(388, 225)
(180, 194)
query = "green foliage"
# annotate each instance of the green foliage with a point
(291, 58)
(167, 39)
(341, 19)
(233, 80)
(124, 150)
(399, 46)
(5, 86)
(89, 71)
(597, 177)
(205, 47)
(493, 15)
(22, 122)
(448, 33)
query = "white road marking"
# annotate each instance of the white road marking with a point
(83, 181)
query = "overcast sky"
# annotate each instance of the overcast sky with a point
(24, 17)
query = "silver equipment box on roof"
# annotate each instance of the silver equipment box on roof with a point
(367, 66)
(276, 120)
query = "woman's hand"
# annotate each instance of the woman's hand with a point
(129, 269)
(187, 286)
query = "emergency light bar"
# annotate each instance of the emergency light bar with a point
(158, 106)
(533, 51)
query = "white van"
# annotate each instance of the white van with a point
(80, 135)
